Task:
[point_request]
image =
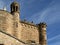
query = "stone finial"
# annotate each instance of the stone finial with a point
(4, 8)
(32, 22)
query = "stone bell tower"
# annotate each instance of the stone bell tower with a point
(15, 11)
(15, 7)
(42, 33)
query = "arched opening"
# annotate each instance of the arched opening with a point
(16, 8)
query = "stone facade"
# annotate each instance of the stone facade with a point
(6, 39)
(29, 32)
(25, 31)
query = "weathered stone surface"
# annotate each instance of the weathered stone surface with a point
(22, 30)
(8, 40)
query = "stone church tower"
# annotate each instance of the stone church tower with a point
(15, 11)
(18, 32)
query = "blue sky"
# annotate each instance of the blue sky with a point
(40, 11)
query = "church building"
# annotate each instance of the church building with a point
(14, 31)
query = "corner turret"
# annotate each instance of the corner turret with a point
(42, 33)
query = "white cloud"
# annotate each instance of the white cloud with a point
(54, 38)
(56, 43)
(50, 15)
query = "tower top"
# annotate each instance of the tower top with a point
(42, 24)
(15, 7)
(14, 3)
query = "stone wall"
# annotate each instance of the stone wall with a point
(9, 40)
(24, 31)
(6, 22)
(10, 23)
(29, 33)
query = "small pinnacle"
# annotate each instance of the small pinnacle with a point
(4, 8)
(32, 22)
